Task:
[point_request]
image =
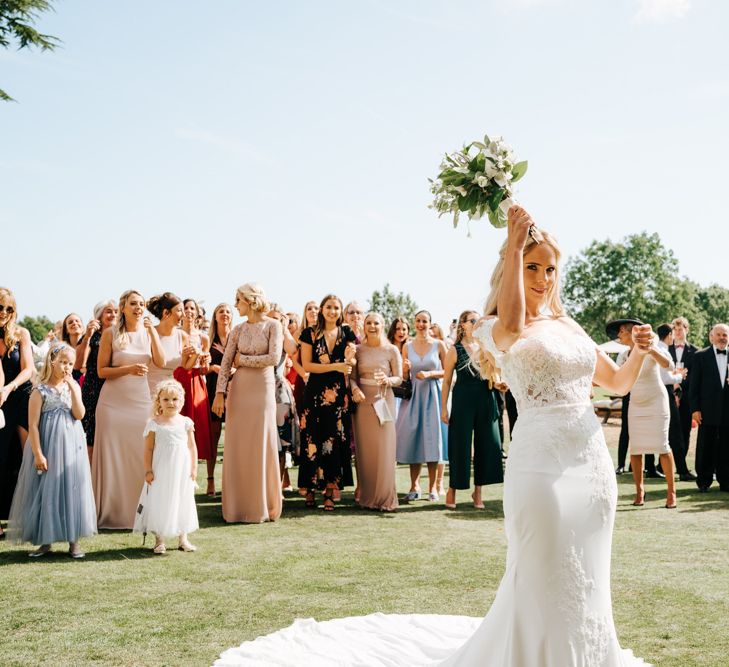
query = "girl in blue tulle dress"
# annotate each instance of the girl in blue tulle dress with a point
(53, 500)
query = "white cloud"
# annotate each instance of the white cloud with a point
(659, 11)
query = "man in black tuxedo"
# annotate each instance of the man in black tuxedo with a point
(682, 352)
(709, 395)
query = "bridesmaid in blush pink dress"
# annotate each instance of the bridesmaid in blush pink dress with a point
(251, 481)
(125, 353)
(378, 369)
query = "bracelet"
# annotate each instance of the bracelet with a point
(149, 471)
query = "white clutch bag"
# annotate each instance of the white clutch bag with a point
(382, 410)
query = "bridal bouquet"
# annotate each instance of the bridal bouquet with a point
(477, 180)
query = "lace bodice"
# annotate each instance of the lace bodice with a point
(259, 344)
(55, 398)
(545, 369)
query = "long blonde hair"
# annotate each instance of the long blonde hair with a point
(121, 335)
(552, 301)
(53, 353)
(11, 336)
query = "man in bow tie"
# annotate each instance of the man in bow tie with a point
(682, 352)
(709, 394)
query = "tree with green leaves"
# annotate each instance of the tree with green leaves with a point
(37, 327)
(16, 26)
(714, 303)
(391, 305)
(635, 277)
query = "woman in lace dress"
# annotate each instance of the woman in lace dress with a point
(553, 607)
(251, 482)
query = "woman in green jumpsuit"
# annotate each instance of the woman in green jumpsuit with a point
(473, 421)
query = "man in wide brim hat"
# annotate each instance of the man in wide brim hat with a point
(612, 328)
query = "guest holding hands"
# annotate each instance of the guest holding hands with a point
(251, 482)
(126, 352)
(378, 369)
(327, 355)
(648, 412)
(419, 433)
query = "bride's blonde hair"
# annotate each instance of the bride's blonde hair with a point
(553, 301)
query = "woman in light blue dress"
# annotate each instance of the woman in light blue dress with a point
(418, 428)
(53, 500)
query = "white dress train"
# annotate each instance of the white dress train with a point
(553, 607)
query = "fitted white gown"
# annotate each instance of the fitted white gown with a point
(553, 606)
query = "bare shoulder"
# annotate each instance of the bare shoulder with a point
(571, 324)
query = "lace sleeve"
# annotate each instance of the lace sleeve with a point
(275, 346)
(231, 347)
(483, 334)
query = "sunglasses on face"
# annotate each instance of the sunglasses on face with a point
(7, 309)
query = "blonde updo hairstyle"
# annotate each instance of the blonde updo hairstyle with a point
(553, 301)
(169, 386)
(53, 353)
(254, 296)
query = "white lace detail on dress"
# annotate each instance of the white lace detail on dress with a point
(570, 588)
(545, 369)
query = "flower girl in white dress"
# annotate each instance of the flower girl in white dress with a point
(167, 504)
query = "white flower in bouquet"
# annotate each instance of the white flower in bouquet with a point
(477, 180)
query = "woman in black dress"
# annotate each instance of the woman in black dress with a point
(327, 355)
(17, 365)
(87, 353)
(220, 325)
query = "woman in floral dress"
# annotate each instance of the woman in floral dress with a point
(327, 355)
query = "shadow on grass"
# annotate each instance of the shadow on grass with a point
(59, 554)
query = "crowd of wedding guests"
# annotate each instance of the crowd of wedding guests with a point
(336, 391)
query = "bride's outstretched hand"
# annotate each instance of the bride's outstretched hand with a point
(520, 226)
(642, 338)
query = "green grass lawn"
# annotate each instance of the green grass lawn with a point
(124, 606)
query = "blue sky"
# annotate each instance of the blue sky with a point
(192, 147)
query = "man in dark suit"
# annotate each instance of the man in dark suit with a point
(709, 395)
(682, 353)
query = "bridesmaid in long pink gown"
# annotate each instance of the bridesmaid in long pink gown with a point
(251, 480)
(125, 353)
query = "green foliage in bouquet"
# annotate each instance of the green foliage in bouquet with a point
(477, 181)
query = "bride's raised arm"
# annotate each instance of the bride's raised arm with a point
(511, 306)
(620, 379)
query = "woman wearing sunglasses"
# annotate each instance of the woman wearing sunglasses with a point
(15, 388)
(474, 418)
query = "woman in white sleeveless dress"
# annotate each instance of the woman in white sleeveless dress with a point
(553, 607)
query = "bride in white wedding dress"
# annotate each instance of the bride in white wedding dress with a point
(553, 607)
